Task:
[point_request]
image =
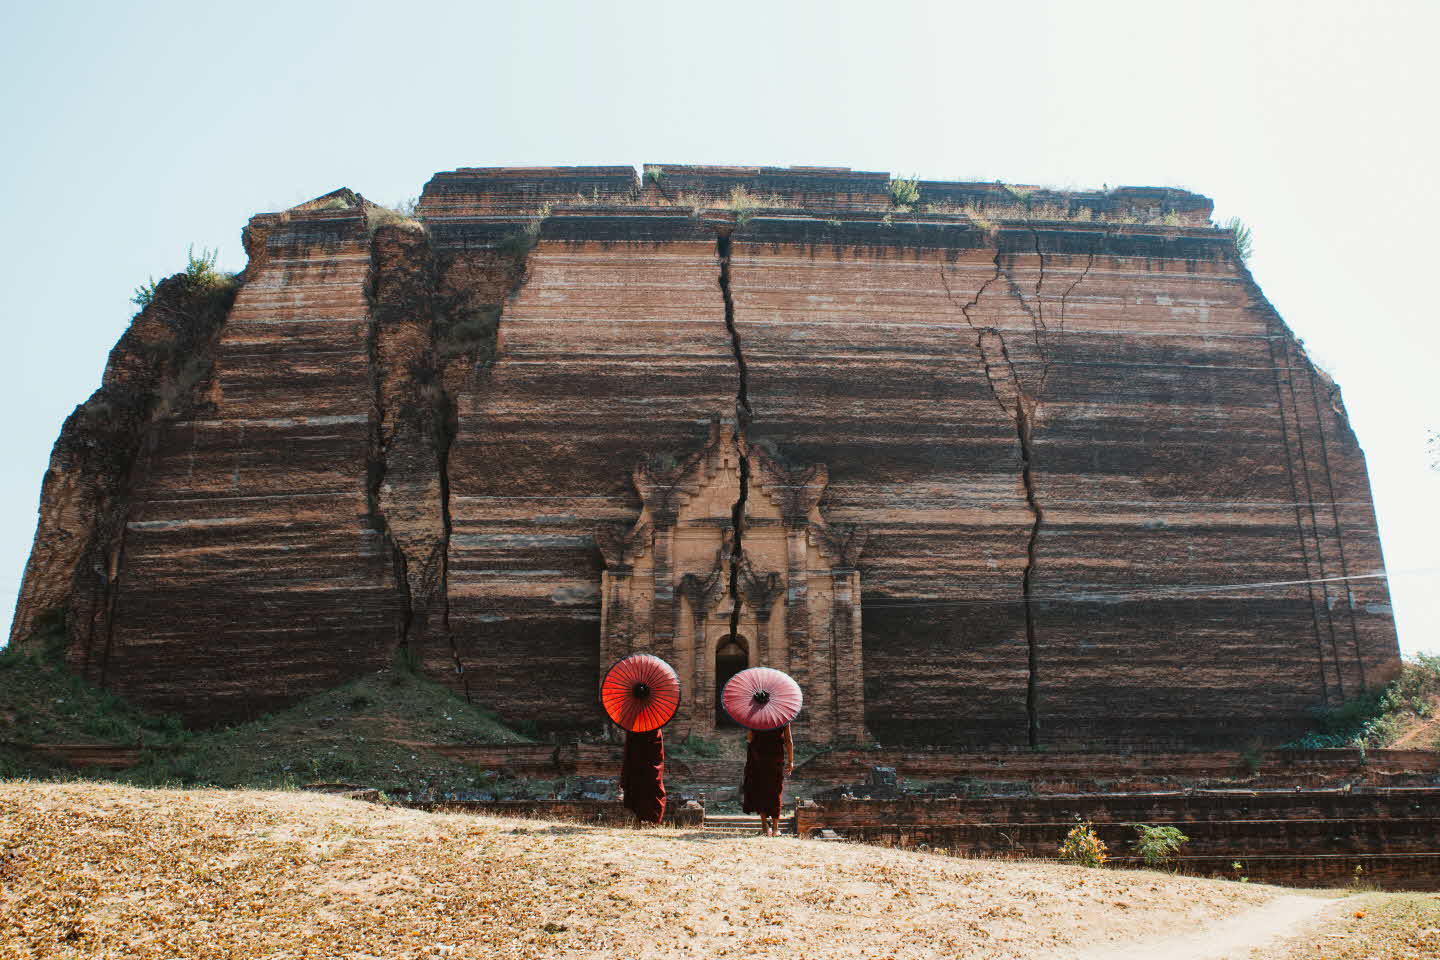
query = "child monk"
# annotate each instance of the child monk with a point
(769, 758)
(642, 775)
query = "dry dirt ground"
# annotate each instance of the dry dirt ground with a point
(97, 870)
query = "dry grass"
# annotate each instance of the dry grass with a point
(92, 870)
(1376, 926)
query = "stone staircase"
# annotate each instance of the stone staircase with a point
(742, 825)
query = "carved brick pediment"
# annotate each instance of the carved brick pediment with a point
(760, 590)
(704, 591)
(795, 490)
(662, 488)
(843, 542)
(620, 544)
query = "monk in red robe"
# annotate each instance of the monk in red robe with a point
(769, 758)
(642, 775)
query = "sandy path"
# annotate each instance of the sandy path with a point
(1232, 938)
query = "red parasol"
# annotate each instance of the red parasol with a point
(640, 693)
(762, 699)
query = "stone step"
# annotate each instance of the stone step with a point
(742, 825)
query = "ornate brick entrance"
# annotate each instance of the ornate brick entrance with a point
(667, 582)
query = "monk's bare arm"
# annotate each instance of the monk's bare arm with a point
(789, 752)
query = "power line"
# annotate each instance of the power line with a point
(1143, 592)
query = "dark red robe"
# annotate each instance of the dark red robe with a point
(642, 775)
(764, 773)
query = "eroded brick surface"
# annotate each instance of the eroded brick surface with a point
(1082, 453)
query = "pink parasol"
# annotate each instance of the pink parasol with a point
(640, 693)
(762, 699)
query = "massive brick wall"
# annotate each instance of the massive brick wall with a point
(613, 349)
(1069, 439)
(252, 549)
(249, 569)
(1131, 377)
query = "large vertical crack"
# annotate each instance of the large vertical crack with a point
(1289, 380)
(742, 393)
(1020, 407)
(443, 443)
(743, 414)
(965, 308)
(468, 291)
(1065, 298)
(1271, 336)
(410, 438)
(1004, 382)
(379, 442)
(1339, 531)
(1041, 330)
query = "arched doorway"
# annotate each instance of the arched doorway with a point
(732, 656)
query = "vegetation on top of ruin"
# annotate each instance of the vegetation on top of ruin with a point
(904, 193)
(199, 278)
(402, 215)
(1405, 713)
(1244, 241)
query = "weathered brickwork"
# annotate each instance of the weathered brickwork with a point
(1097, 772)
(1303, 838)
(1081, 489)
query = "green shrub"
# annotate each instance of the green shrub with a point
(905, 193)
(1082, 846)
(200, 276)
(978, 216)
(743, 203)
(1377, 718)
(654, 175)
(1018, 194)
(1243, 239)
(1157, 846)
(144, 294)
(200, 272)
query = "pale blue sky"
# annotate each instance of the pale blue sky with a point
(133, 130)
